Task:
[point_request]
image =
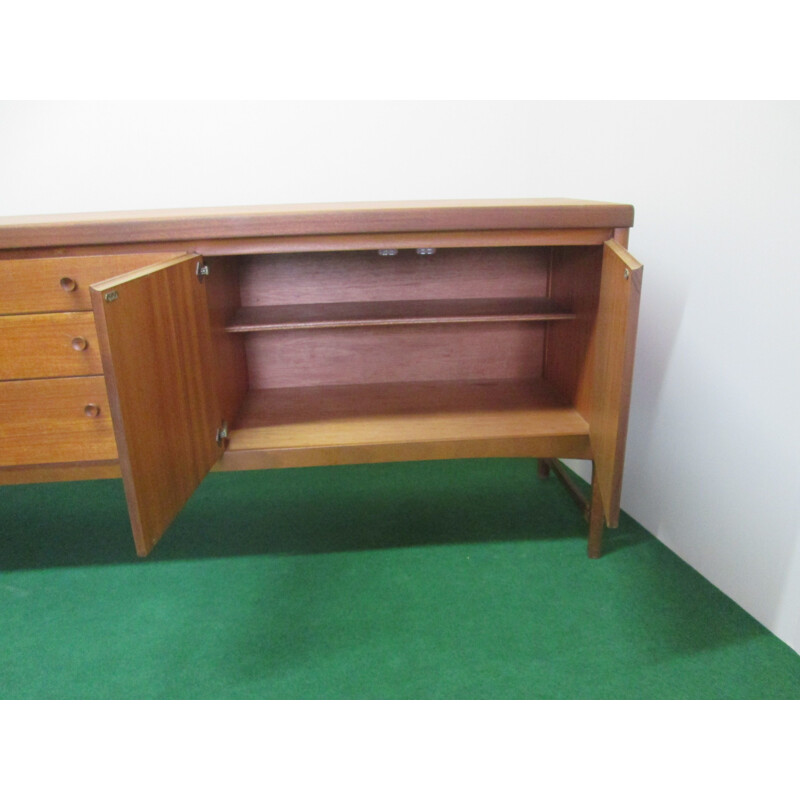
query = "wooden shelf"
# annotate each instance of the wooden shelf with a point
(401, 421)
(402, 312)
(309, 348)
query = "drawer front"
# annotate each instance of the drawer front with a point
(55, 421)
(48, 346)
(32, 285)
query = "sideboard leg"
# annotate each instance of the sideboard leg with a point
(596, 521)
(560, 471)
(543, 467)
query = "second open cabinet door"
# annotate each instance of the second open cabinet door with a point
(155, 339)
(615, 342)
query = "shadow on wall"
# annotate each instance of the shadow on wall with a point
(661, 316)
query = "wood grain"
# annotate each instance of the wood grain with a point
(46, 345)
(390, 422)
(543, 237)
(542, 446)
(44, 422)
(594, 547)
(34, 285)
(156, 344)
(391, 354)
(398, 312)
(574, 284)
(349, 357)
(617, 318)
(230, 360)
(88, 471)
(254, 221)
(301, 278)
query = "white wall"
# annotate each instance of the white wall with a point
(713, 467)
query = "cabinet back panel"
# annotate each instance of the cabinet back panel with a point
(507, 351)
(293, 278)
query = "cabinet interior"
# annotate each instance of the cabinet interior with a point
(159, 345)
(326, 357)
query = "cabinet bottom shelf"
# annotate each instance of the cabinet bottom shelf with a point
(322, 425)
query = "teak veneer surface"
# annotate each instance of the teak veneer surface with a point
(449, 274)
(398, 312)
(45, 421)
(316, 426)
(155, 337)
(48, 346)
(394, 413)
(348, 242)
(304, 344)
(322, 218)
(574, 284)
(34, 285)
(53, 473)
(393, 354)
(617, 318)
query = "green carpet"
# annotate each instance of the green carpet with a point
(461, 579)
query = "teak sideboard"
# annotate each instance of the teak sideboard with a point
(157, 346)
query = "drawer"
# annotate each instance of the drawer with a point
(48, 346)
(32, 285)
(55, 421)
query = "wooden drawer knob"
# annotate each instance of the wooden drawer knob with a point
(68, 284)
(79, 343)
(91, 410)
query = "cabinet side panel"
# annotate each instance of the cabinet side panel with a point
(229, 354)
(569, 362)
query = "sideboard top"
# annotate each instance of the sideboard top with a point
(175, 225)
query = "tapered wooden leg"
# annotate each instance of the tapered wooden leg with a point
(596, 520)
(543, 468)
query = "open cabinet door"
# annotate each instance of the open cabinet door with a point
(615, 342)
(155, 340)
